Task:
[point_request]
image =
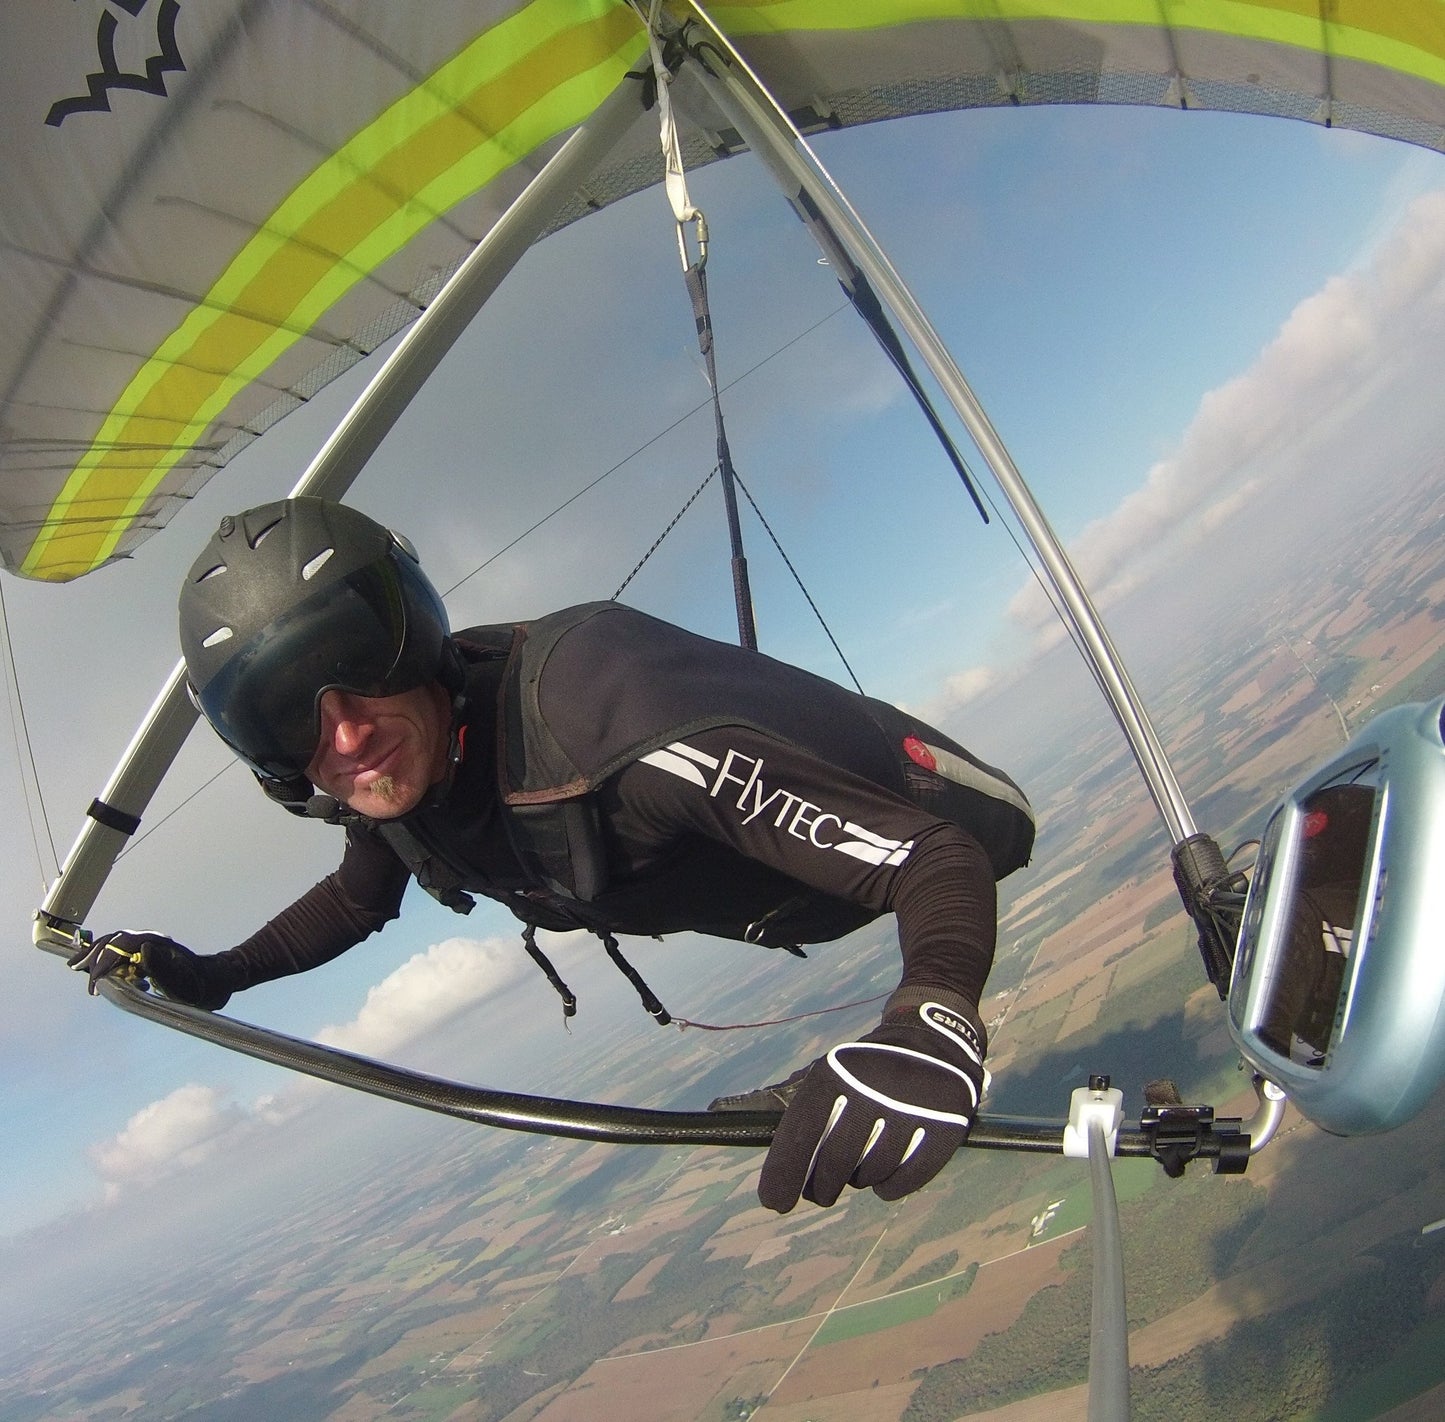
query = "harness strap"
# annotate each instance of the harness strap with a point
(437, 877)
(649, 998)
(569, 998)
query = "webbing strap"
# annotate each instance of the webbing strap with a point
(569, 998)
(674, 177)
(866, 303)
(649, 998)
(112, 818)
(684, 212)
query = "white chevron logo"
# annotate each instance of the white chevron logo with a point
(785, 811)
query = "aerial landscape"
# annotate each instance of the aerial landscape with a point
(1211, 335)
(506, 1279)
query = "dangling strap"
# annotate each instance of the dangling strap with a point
(866, 303)
(649, 998)
(569, 998)
(695, 275)
(854, 283)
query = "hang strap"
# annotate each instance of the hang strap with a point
(686, 212)
(674, 177)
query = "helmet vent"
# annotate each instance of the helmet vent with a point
(211, 572)
(257, 537)
(221, 634)
(316, 564)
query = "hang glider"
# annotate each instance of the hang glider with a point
(213, 210)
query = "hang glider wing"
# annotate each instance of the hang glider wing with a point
(210, 211)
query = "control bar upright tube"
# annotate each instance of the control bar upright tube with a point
(160, 736)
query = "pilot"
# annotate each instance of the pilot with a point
(599, 769)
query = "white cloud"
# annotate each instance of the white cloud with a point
(193, 1123)
(425, 991)
(1337, 349)
(960, 689)
(178, 1131)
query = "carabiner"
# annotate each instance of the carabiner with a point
(700, 230)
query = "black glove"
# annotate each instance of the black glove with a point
(135, 957)
(887, 1111)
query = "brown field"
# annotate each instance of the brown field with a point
(641, 1281)
(998, 1296)
(1070, 1404)
(884, 1403)
(995, 1234)
(804, 1277)
(677, 1383)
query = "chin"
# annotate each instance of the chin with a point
(384, 799)
(375, 807)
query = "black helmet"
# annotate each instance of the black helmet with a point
(290, 600)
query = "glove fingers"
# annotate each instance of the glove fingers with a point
(865, 1149)
(883, 1159)
(933, 1153)
(886, 1112)
(802, 1145)
(802, 1136)
(839, 1154)
(102, 960)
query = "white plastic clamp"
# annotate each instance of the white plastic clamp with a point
(1087, 1105)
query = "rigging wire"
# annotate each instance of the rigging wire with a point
(641, 448)
(1047, 588)
(20, 729)
(200, 789)
(657, 542)
(781, 554)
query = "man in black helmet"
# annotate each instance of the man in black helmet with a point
(599, 769)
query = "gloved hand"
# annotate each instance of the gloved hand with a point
(174, 969)
(887, 1111)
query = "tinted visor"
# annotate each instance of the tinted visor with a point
(376, 632)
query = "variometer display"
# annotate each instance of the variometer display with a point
(1338, 989)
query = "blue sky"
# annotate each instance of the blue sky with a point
(1125, 289)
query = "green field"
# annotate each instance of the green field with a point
(915, 1303)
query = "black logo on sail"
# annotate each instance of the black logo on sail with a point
(166, 60)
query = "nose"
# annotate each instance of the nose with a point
(345, 724)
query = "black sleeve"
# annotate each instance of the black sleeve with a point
(345, 907)
(835, 832)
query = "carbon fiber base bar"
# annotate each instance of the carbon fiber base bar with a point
(1223, 1141)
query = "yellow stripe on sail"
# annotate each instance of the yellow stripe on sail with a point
(1404, 35)
(530, 78)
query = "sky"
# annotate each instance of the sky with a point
(1174, 321)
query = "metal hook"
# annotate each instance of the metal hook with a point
(700, 229)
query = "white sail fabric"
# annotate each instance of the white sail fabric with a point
(211, 210)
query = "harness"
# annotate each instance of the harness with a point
(556, 841)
